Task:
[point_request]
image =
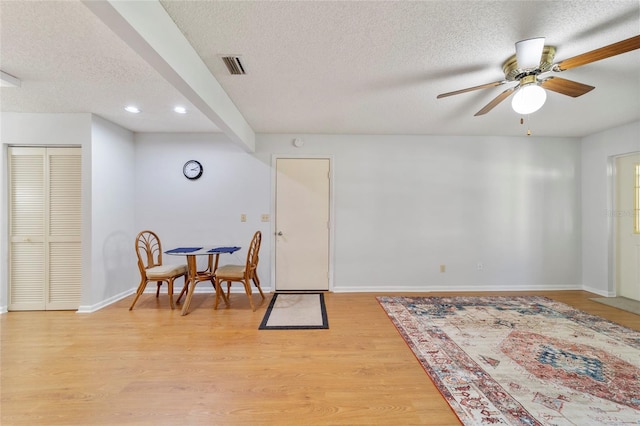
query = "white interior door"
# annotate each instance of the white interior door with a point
(45, 226)
(302, 223)
(627, 227)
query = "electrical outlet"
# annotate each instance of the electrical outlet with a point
(243, 217)
(443, 268)
(480, 266)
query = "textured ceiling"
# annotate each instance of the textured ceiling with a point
(353, 67)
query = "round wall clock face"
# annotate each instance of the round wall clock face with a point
(192, 169)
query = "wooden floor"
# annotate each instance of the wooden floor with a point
(152, 366)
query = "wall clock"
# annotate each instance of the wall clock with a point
(192, 169)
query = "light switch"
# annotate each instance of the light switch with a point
(243, 217)
(265, 218)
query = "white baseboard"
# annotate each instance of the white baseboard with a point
(433, 289)
(87, 309)
(599, 292)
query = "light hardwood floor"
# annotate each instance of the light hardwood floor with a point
(152, 366)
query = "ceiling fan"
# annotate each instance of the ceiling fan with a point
(531, 60)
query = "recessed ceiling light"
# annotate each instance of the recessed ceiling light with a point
(132, 109)
(180, 110)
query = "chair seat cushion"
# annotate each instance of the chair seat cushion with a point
(230, 271)
(163, 271)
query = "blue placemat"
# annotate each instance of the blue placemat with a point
(224, 249)
(183, 250)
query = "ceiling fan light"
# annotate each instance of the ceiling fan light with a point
(528, 99)
(529, 53)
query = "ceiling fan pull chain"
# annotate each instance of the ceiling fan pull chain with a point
(528, 124)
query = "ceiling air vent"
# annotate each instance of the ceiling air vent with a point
(234, 65)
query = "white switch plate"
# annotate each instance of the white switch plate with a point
(243, 217)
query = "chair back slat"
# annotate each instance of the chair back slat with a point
(148, 249)
(252, 253)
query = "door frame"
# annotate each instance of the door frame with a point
(274, 158)
(612, 201)
(48, 238)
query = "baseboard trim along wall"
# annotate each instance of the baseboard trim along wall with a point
(87, 309)
(432, 289)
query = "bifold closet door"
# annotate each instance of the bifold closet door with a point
(44, 227)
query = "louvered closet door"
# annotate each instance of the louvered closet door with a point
(45, 205)
(64, 226)
(27, 208)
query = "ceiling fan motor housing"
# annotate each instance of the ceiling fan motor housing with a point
(513, 73)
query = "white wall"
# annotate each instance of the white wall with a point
(108, 192)
(598, 152)
(524, 207)
(111, 231)
(205, 211)
(403, 206)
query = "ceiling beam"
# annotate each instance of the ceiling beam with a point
(147, 28)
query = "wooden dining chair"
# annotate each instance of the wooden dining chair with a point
(245, 274)
(149, 252)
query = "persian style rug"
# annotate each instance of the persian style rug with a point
(295, 311)
(523, 360)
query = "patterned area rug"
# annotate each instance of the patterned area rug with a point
(523, 360)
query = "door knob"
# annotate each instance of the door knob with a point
(280, 233)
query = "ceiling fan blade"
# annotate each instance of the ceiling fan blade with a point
(566, 87)
(605, 52)
(470, 89)
(501, 97)
(529, 53)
